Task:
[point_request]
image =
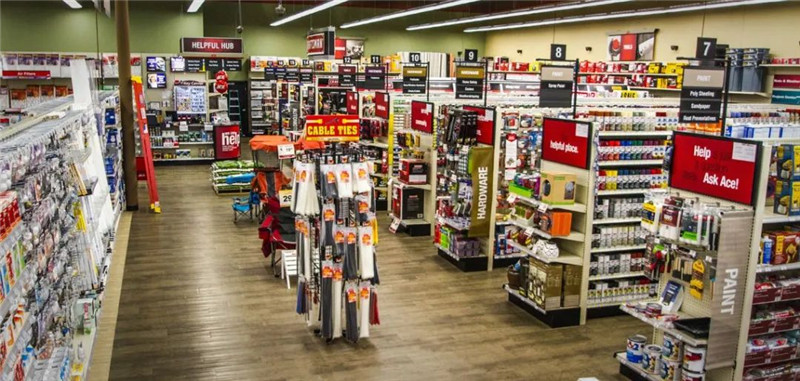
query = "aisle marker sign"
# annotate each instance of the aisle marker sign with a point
(332, 128)
(415, 79)
(715, 166)
(701, 95)
(556, 86)
(566, 141)
(347, 76)
(469, 82)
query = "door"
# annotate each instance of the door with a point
(239, 105)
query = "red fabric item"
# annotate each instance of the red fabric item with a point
(374, 318)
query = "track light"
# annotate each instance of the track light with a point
(74, 4)
(307, 12)
(195, 6)
(610, 16)
(521, 12)
(409, 12)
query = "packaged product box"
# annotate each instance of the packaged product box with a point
(545, 283)
(788, 164)
(785, 247)
(558, 188)
(787, 197)
(572, 286)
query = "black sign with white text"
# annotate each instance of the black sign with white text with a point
(701, 95)
(306, 75)
(375, 77)
(556, 86)
(469, 82)
(415, 79)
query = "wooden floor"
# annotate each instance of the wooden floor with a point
(199, 302)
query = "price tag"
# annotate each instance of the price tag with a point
(692, 253)
(542, 207)
(285, 197)
(529, 232)
(183, 127)
(657, 240)
(394, 225)
(512, 198)
(208, 127)
(286, 151)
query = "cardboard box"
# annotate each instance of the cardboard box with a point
(558, 188)
(545, 283)
(785, 247)
(787, 197)
(788, 165)
(572, 286)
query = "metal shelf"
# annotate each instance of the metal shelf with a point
(568, 259)
(636, 368)
(616, 192)
(760, 269)
(678, 334)
(610, 221)
(618, 248)
(623, 163)
(576, 207)
(573, 236)
(617, 276)
(633, 133)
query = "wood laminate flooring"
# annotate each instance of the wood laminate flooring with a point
(199, 302)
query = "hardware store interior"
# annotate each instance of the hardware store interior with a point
(400, 190)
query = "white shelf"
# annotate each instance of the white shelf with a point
(792, 66)
(573, 236)
(195, 143)
(576, 207)
(610, 221)
(453, 255)
(623, 163)
(410, 221)
(525, 300)
(667, 327)
(616, 276)
(634, 133)
(618, 248)
(568, 259)
(621, 357)
(654, 88)
(374, 144)
(772, 218)
(420, 186)
(186, 159)
(616, 192)
(755, 93)
(773, 268)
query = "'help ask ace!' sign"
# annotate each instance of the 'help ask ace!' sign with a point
(715, 166)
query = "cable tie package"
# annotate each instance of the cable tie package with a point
(344, 180)
(329, 187)
(327, 301)
(365, 252)
(351, 311)
(351, 255)
(338, 284)
(363, 182)
(363, 309)
(328, 223)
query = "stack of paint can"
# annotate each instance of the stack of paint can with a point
(671, 361)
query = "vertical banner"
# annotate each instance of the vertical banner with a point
(631, 46)
(566, 141)
(482, 164)
(352, 102)
(226, 142)
(382, 105)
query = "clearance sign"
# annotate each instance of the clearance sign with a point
(332, 128)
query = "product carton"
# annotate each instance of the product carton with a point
(788, 165)
(787, 197)
(785, 247)
(545, 283)
(558, 188)
(572, 286)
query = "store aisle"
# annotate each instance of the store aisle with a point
(199, 303)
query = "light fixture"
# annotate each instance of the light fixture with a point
(308, 11)
(409, 12)
(74, 4)
(521, 12)
(610, 16)
(195, 6)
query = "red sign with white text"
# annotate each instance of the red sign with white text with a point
(315, 44)
(332, 128)
(566, 141)
(382, 105)
(786, 81)
(226, 142)
(485, 133)
(629, 47)
(422, 116)
(714, 166)
(352, 102)
(27, 74)
(211, 45)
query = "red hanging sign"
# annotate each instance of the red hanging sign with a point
(315, 44)
(422, 116)
(352, 102)
(226, 142)
(485, 124)
(567, 142)
(715, 166)
(332, 128)
(211, 45)
(382, 105)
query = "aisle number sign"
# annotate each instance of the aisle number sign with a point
(332, 128)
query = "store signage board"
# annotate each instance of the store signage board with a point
(292, 74)
(567, 141)
(375, 59)
(556, 86)
(715, 166)
(701, 95)
(631, 46)
(280, 73)
(213, 64)
(485, 133)
(786, 97)
(786, 81)
(415, 57)
(332, 128)
(382, 105)
(211, 45)
(156, 64)
(306, 75)
(482, 159)
(422, 116)
(195, 65)
(26, 74)
(469, 82)
(232, 64)
(352, 102)
(375, 77)
(347, 76)
(415, 79)
(471, 55)
(227, 142)
(269, 74)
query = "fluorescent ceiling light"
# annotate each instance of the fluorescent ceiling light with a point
(307, 12)
(412, 11)
(627, 14)
(73, 4)
(195, 6)
(521, 12)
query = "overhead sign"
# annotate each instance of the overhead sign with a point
(306, 75)
(211, 45)
(786, 81)
(382, 105)
(232, 64)
(422, 116)
(715, 166)
(213, 64)
(415, 79)
(333, 128)
(292, 74)
(375, 77)
(558, 52)
(195, 65)
(27, 74)
(556, 86)
(706, 48)
(469, 82)
(701, 95)
(485, 133)
(347, 76)
(786, 97)
(352, 102)
(566, 141)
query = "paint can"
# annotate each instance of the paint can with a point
(670, 370)
(651, 359)
(694, 358)
(672, 348)
(692, 376)
(636, 344)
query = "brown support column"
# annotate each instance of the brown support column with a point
(126, 105)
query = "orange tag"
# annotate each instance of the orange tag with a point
(366, 239)
(331, 177)
(327, 272)
(351, 296)
(365, 293)
(351, 238)
(329, 215)
(363, 207)
(345, 177)
(337, 273)
(362, 174)
(339, 237)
